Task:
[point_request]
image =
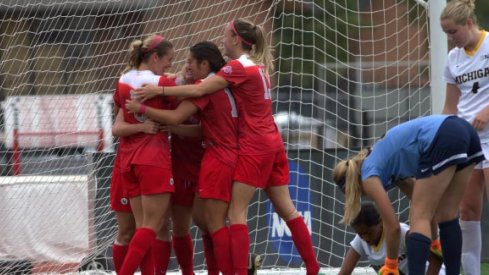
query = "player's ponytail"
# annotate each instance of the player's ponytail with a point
(135, 56)
(460, 11)
(140, 51)
(347, 176)
(262, 50)
(254, 40)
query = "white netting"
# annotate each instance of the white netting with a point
(345, 72)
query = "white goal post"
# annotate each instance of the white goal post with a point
(345, 72)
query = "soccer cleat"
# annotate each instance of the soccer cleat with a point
(254, 263)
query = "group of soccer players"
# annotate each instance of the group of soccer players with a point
(224, 107)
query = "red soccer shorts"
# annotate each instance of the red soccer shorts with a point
(263, 171)
(184, 193)
(119, 201)
(147, 180)
(215, 179)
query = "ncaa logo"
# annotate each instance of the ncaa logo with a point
(124, 201)
(171, 181)
(279, 234)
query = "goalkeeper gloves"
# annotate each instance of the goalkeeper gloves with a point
(390, 267)
(436, 248)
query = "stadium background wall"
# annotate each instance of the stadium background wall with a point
(327, 237)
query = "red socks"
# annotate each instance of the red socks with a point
(210, 258)
(139, 246)
(118, 254)
(240, 246)
(222, 250)
(303, 243)
(161, 256)
(184, 252)
(147, 265)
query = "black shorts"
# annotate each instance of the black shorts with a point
(455, 143)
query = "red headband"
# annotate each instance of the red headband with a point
(233, 27)
(156, 41)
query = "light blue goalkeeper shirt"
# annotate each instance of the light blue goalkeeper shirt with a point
(396, 156)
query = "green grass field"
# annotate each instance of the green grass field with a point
(485, 269)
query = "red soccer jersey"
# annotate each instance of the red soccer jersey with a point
(258, 133)
(218, 118)
(117, 102)
(141, 148)
(187, 154)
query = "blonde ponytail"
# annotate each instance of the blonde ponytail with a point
(135, 55)
(262, 53)
(254, 40)
(348, 172)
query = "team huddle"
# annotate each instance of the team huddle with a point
(195, 146)
(224, 108)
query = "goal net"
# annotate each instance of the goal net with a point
(345, 72)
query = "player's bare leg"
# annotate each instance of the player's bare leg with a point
(198, 214)
(440, 194)
(125, 227)
(406, 186)
(280, 197)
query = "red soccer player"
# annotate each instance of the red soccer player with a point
(186, 156)
(119, 201)
(187, 152)
(218, 116)
(145, 158)
(262, 161)
(126, 224)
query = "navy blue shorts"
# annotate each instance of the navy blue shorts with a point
(455, 143)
